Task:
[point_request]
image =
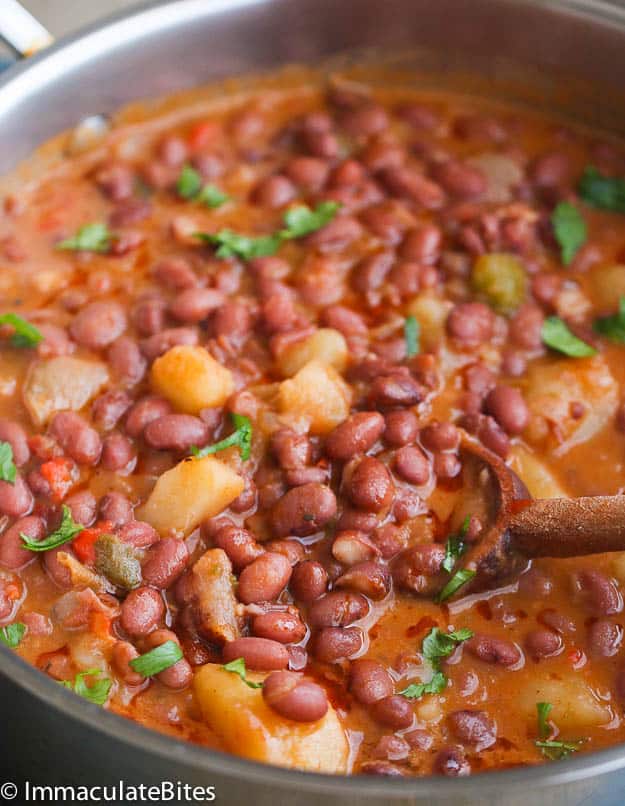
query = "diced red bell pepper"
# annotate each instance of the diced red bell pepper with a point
(60, 475)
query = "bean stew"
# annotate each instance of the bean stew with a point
(241, 349)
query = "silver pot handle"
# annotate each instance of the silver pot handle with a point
(21, 31)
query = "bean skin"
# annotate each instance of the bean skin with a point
(82, 505)
(337, 609)
(176, 432)
(474, 727)
(285, 627)
(259, 654)
(355, 435)
(334, 644)
(239, 544)
(369, 578)
(164, 562)
(460, 180)
(412, 465)
(195, 304)
(76, 437)
(493, 650)
(605, 638)
(400, 427)
(294, 697)
(452, 762)
(154, 346)
(599, 593)
(506, 405)
(138, 534)
(370, 486)
(303, 511)
(13, 555)
(542, 643)
(394, 712)
(369, 681)
(264, 579)
(115, 508)
(416, 569)
(471, 324)
(109, 408)
(351, 547)
(117, 452)
(126, 361)
(98, 325)
(308, 581)
(141, 611)
(440, 437)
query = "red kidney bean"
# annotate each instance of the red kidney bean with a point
(493, 650)
(365, 120)
(126, 361)
(334, 644)
(14, 434)
(308, 581)
(321, 144)
(473, 727)
(290, 448)
(98, 324)
(459, 179)
(306, 475)
(294, 697)
(369, 485)
(542, 643)
(37, 623)
(172, 151)
(416, 568)
(525, 327)
(370, 578)
(405, 182)
(412, 465)
(605, 638)
(15, 499)
(274, 191)
(175, 273)
(116, 509)
(281, 626)
(346, 321)
(309, 173)
(513, 363)
(452, 762)
(122, 653)
(337, 609)
(446, 465)
(164, 562)
(355, 435)
(126, 213)
(471, 323)
(440, 437)
(117, 452)
(148, 315)
(260, 654)
(264, 579)
(303, 510)
(293, 550)
(389, 540)
(535, 583)
(178, 676)
(239, 544)
(56, 341)
(400, 427)
(336, 235)
(160, 343)
(58, 572)
(394, 712)
(422, 245)
(233, 322)
(144, 412)
(370, 273)
(551, 169)
(396, 390)
(116, 180)
(369, 681)
(141, 611)
(556, 621)
(109, 408)
(599, 593)
(392, 748)
(351, 547)
(76, 437)
(384, 223)
(83, 506)
(13, 555)
(489, 432)
(138, 534)
(176, 432)
(507, 406)
(195, 304)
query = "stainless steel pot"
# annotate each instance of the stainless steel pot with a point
(567, 55)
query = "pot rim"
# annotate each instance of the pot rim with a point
(29, 76)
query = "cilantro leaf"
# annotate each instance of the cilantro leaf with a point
(301, 220)
(556, 334)
(455, 545)
(237, 667)
(412, 331)
(553, 749)
(212, 196)
(66, 531)
(25, 335)
(12, 634)
(7, 465)
(570, 230)
(157, 659)
(241, 437)
(96, 693)
(604, 192)
(436, 645)
(90, 238)
(298, 221)
(612, 327)
(459, 579)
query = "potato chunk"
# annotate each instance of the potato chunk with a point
(191, 379)
(213, 597)
(327, 346)
(193, 490)
(575, 705)
(552, 390)
(536, 476)
(319, 394)
(62, 383)
(431, 313)
(248, 727)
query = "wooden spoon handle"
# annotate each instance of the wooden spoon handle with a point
(569, 527)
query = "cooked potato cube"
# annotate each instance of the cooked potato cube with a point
(607, 287)
(191, 379)
(62, 383)
(193, 490)
(536, 476)
(326, 346)
(248, 727)
(431, 313)
(575, 706)
(317, 393)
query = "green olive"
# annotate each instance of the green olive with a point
(501, 279)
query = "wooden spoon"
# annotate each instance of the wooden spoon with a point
(521, 528)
